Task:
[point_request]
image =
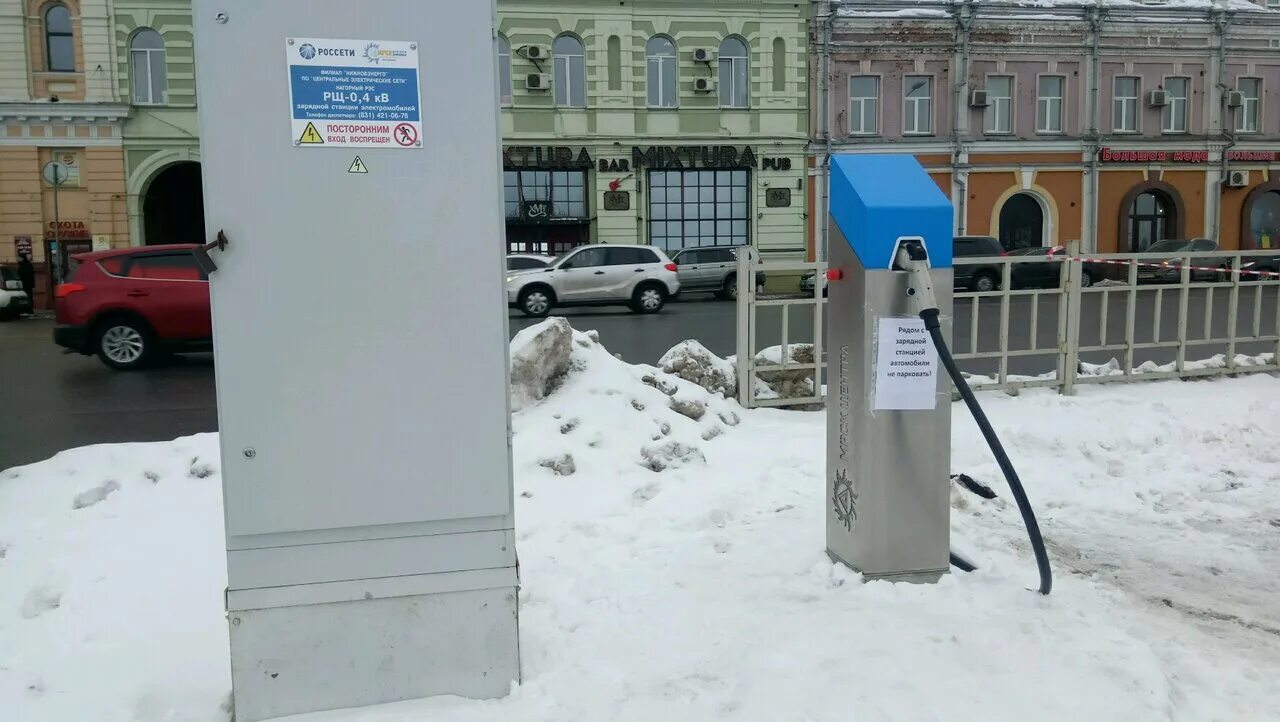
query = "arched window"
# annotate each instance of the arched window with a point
(661, 74)
(734, 76)
(504, 70)
(59, 43)
(570, 69)
(1151, 218)
(1021, 222)
(146, 67)
(1263, 209)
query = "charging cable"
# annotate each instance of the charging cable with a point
(912, 257)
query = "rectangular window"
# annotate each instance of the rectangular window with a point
(696, 208)
(148, 76)
(1175, 111)
(1049, 103)
(1124, 109)
(917, 116)
(733, 82)
(999, 113)
(864, 105)
(662, 82)
(1249, 112)
(566, 190)
(570, 81)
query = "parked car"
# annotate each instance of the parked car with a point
(528, 262)
(13, 300)
(807, 281)
(1047, 275)
(978, 277)
(1260, 264)
(974, 277)
(1175, 251)
(711, 269)
(642, 277)
(128, 305)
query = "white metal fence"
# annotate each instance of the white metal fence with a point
(1052, 321)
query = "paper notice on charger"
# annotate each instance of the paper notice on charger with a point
(906, 373)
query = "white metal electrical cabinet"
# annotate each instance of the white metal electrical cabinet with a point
(350, 154)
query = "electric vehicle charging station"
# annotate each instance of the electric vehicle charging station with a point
(888, 406)
(889, 428)
(350, 160)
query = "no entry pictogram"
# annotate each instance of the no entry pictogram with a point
(406, 134)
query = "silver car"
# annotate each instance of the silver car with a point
(711, 269)
(641, 277)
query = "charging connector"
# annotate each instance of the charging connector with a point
(912, 256)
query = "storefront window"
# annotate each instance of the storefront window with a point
(566, 191)
(693, 208)
(1264, 220)
(1150, 218)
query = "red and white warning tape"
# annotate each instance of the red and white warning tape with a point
(1164, 265)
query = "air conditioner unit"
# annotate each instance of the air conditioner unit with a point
(537, 81)
(704, 85)
(1238, 179)
(1235, 99)
(534, 52)
(979, 99)
(1158, 98)
(704, 55)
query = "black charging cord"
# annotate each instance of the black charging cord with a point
(932, 324)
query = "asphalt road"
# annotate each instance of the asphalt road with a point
(50, 401)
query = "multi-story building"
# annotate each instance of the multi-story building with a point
(58, 102)
(1115, 123)
(155, 70)
(654, 121)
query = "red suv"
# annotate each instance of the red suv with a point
(129, 304)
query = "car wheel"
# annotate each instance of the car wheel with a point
(730, 289)
(1086, 279)
(536, 302)
(648, 299)
(124, 344)
(983, 283)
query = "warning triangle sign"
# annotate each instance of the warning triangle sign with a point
(357, 166)
(311, 135)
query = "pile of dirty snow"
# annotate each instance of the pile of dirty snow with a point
(672, 557)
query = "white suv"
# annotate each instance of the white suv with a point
(641, 277)
(13, 300)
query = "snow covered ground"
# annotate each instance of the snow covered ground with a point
(701, 591)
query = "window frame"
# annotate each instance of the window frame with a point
(1168, 109)
(987, 112)
(556, 180)
(569, 67)
(694, 192)
(146, 53)
(649, 83)
(879, 105)
(49, 34)
(906, 102)
(1047, 100)
(1116, 99)
(745, 60)
(1242, 113)
(506, 97)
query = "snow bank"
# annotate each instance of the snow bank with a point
(675, 568)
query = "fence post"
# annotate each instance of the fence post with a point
(1069, 363)
(746, 298)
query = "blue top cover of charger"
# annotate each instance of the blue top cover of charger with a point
(876, 199)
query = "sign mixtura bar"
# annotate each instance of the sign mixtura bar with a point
(354, 93)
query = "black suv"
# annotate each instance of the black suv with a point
(977, 276)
